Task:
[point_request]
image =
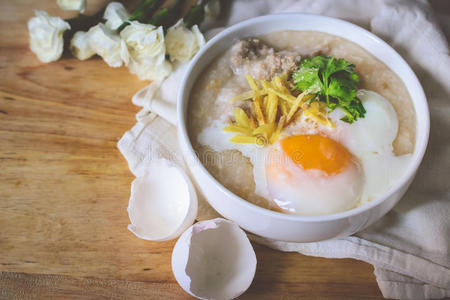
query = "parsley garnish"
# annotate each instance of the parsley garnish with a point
(333, 81)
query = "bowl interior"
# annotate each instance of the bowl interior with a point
(295, 21)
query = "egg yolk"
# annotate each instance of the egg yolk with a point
(317, 152)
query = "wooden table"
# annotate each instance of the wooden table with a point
(64, 189)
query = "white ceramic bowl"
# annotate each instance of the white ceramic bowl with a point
(271, 224)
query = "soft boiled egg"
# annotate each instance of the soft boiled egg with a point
(313, 175)
(334, 170)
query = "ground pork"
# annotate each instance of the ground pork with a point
(253, 57)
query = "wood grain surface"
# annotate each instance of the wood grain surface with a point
(64, 189)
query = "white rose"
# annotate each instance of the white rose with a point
(72, 4)
(79, 46)
(147, 51)
(115, 15)
(182, 43)
(46, 36)
(144, 41)
(107, 44)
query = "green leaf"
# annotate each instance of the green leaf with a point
(336, 65)
(353, 111)
(307, 79)
(334, 80)
(342, 88)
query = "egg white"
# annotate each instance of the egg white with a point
(370, 139)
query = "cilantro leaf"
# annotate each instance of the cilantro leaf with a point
(334, 80)
(342, 87)
(307, 78)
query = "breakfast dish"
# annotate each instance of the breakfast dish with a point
(302, 122)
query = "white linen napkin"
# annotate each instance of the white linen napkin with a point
(410, 246)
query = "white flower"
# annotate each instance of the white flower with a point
(46, 36)
(79, 46)
(106, 43)
(147, 51)
(72, 4)
(182, 43)
(144, 41)
(115, 15)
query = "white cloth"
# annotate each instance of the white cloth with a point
(409, 247)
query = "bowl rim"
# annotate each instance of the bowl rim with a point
(419, 147)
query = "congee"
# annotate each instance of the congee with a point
(302, 122)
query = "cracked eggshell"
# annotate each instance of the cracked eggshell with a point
(163, 202)
(214, 260)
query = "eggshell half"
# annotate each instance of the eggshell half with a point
(163, 202)
(214, 259)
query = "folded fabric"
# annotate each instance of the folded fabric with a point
(409, 247)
